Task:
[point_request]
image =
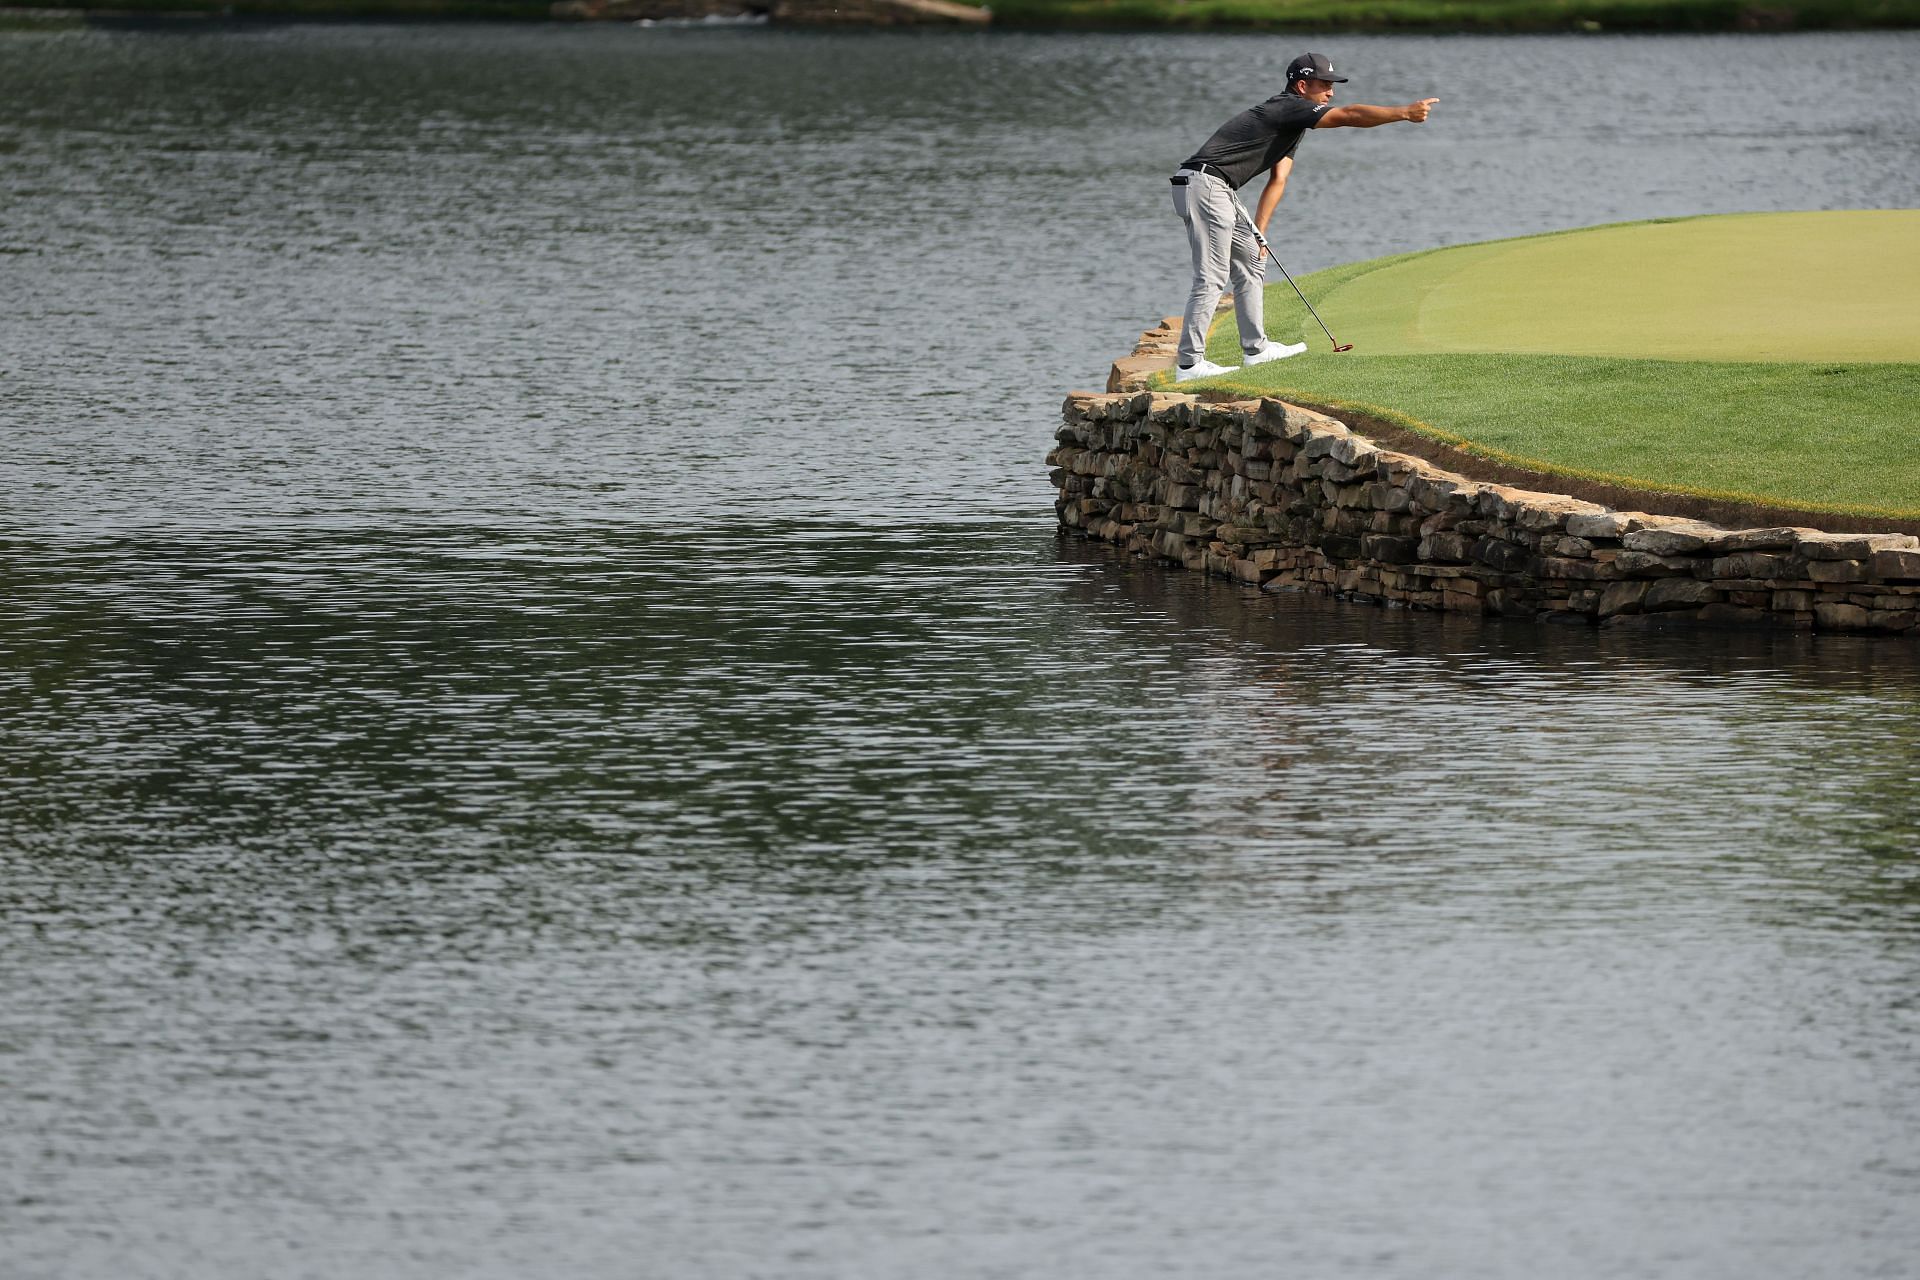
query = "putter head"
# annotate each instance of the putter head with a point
(1347, 347)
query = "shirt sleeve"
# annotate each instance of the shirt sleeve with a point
(1294, 112)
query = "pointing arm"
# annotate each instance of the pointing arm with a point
(1361, 116)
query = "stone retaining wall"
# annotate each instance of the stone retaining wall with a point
(1288, 499)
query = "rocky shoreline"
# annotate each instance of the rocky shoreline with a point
(1287, 499)
(811, 13)
(864, 13)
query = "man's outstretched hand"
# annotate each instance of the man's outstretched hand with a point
(1361, 115)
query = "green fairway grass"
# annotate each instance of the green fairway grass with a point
(1772, 359)
(1462, 15)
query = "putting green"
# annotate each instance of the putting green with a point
(1827, 287)
(1772, 359)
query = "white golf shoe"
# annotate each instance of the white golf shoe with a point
(1201, 368)
(1275, 351)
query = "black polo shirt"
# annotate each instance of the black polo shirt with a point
(1259, 137)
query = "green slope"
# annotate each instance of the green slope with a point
(1771, 357)
(1462, 15)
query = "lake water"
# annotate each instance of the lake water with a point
(545, 728)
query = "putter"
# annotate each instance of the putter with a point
(1275, 259)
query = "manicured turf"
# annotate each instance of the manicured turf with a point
(1462, 15)
(1773, 358)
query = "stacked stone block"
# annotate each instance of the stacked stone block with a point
(1287, 499)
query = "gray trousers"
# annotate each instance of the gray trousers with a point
(1224, 253)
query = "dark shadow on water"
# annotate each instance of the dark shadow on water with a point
(1876, 665)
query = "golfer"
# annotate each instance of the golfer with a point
(1224, 250)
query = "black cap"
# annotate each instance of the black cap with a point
(1313, 66)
